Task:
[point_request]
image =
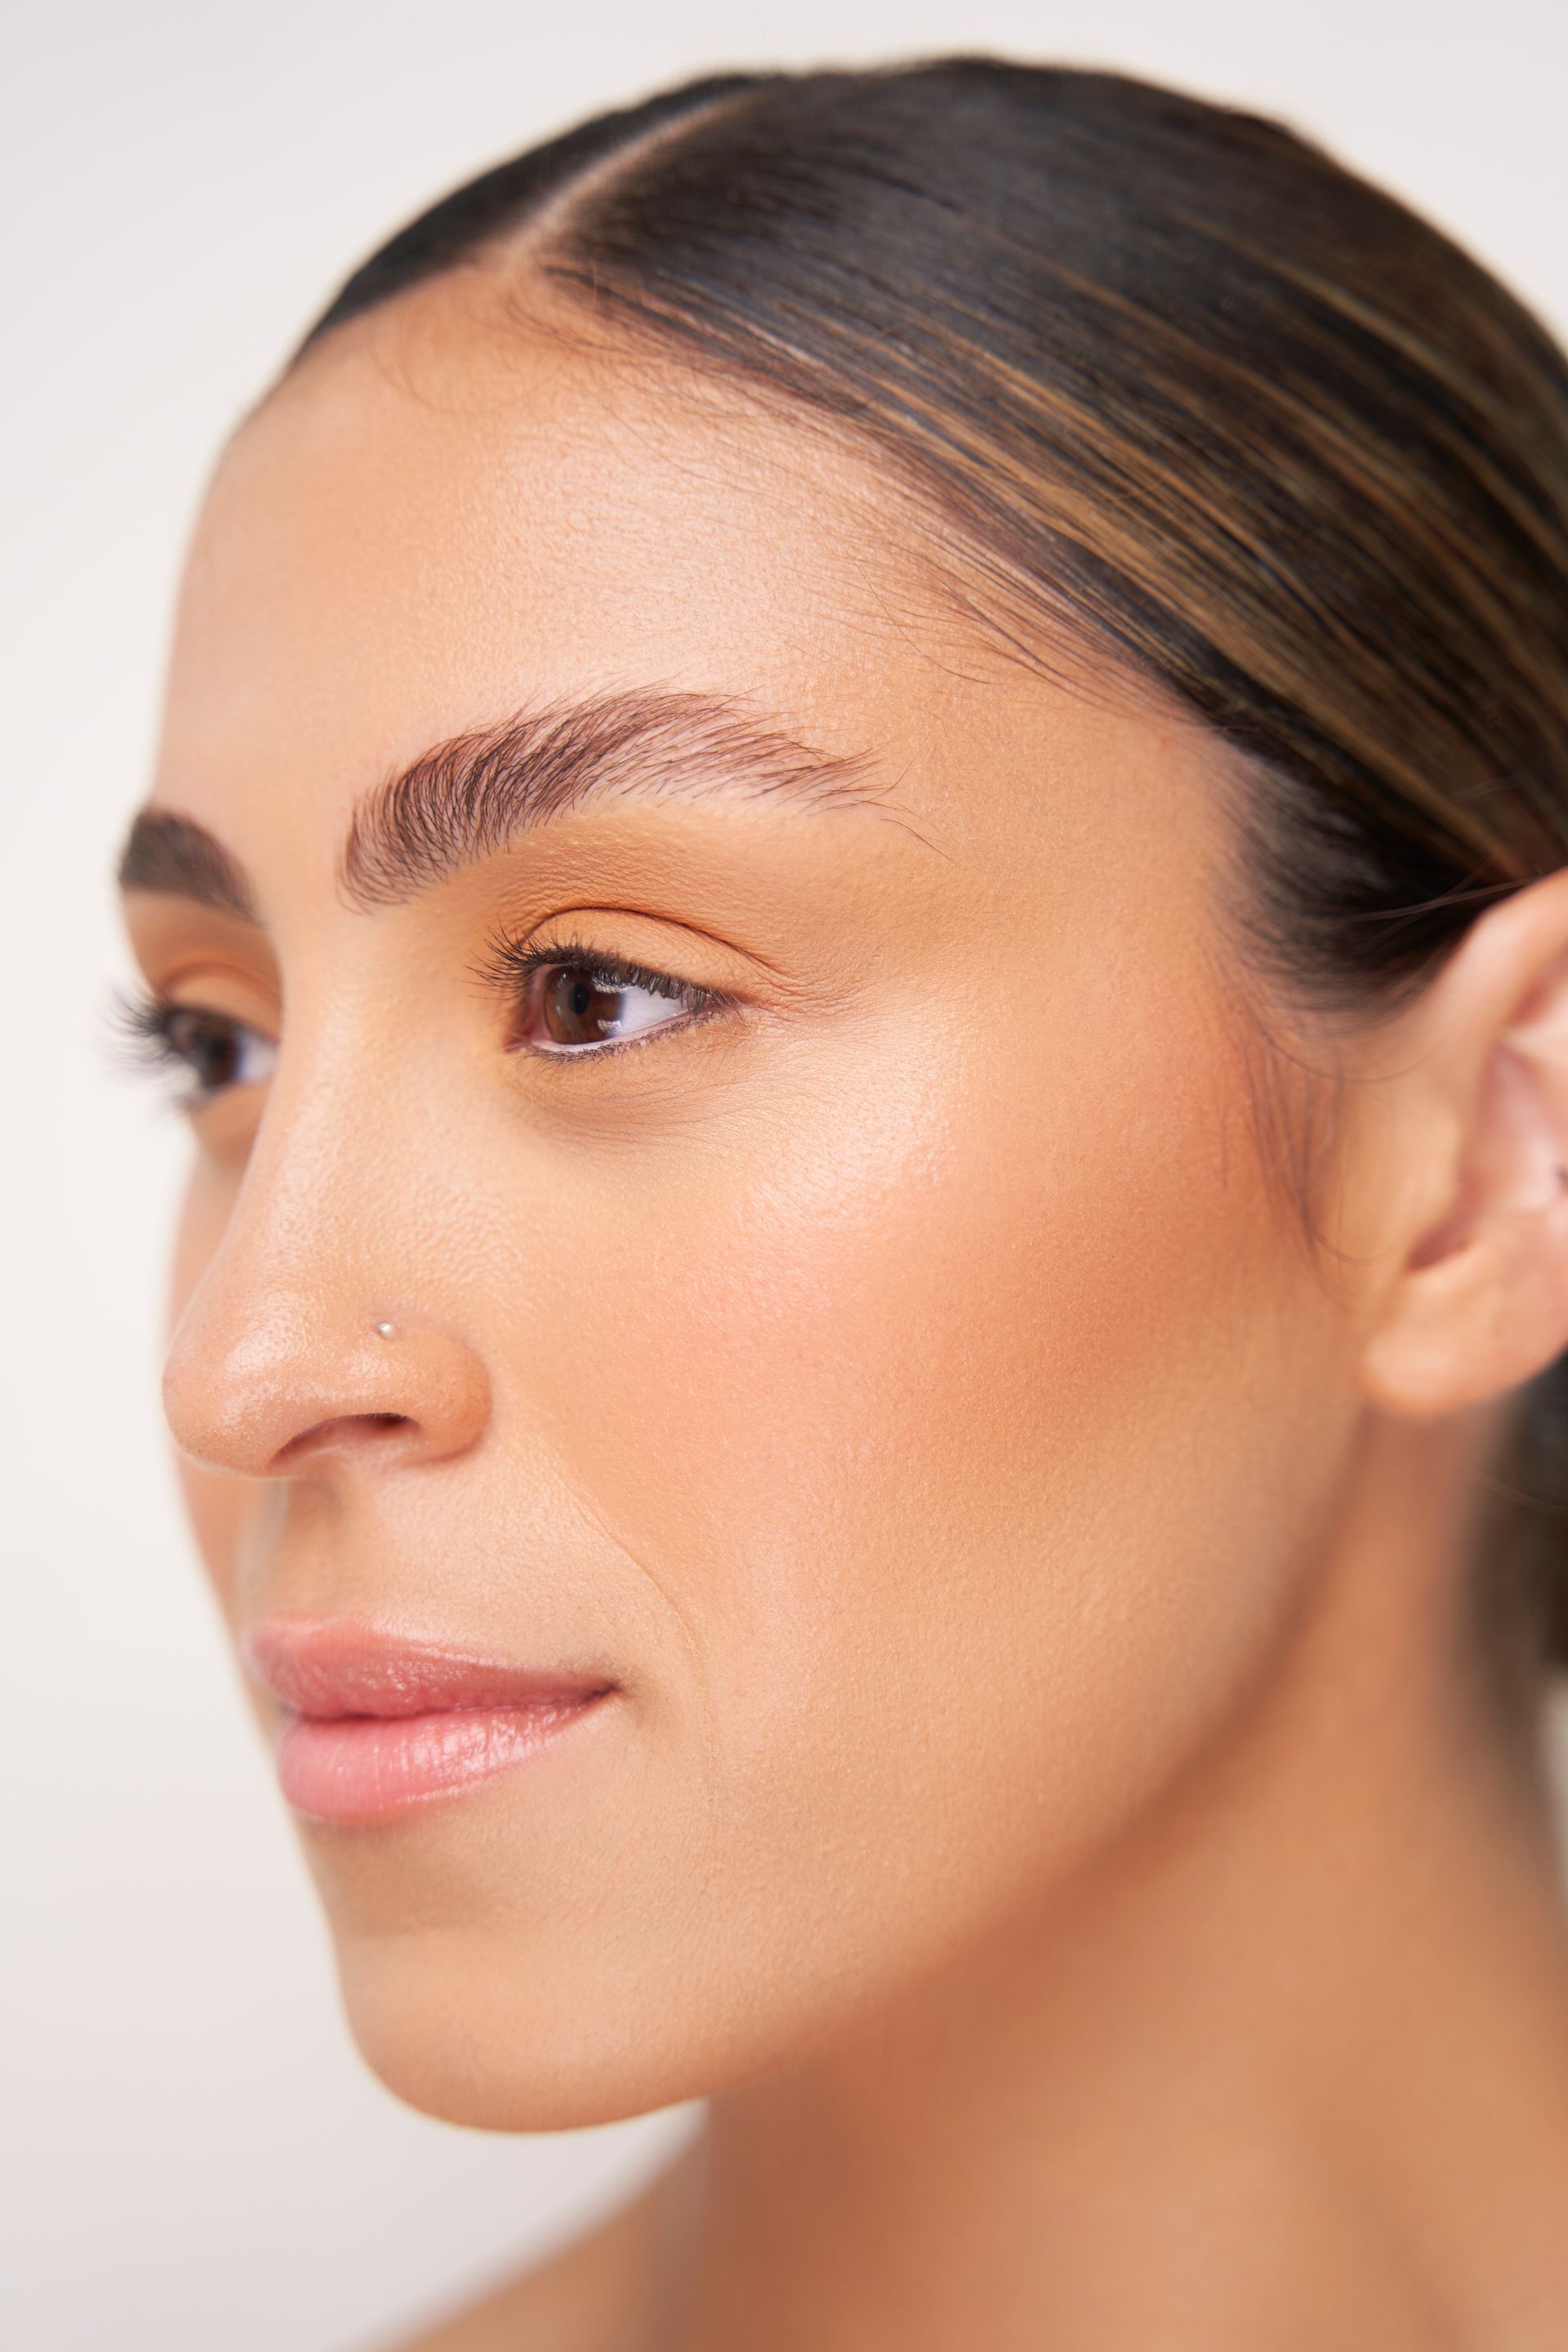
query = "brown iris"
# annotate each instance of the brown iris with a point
(569, 1005)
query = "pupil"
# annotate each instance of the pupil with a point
(577, 1011)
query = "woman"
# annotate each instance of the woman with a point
(856, 882)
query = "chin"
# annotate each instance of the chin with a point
(529, 1955)
(468, 2028)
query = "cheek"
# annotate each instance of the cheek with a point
(220, 1509)
(959, 1429)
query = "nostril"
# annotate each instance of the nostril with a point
(344, 1430)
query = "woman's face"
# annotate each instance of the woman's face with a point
(853, 1405)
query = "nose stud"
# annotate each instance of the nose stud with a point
(384, 1331)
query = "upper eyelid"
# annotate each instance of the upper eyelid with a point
(198, 986)
(510, 958)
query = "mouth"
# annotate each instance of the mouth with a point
(375, 1722)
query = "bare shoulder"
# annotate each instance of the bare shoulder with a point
(596, 2295)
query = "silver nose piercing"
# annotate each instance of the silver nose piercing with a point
(384, 1331)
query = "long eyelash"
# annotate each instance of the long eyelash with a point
(509, 964)
(139, 1037)
(141, 1041)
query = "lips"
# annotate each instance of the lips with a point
(375, 1722)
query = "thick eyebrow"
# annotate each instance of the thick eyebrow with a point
(174, 854)
(468, 798)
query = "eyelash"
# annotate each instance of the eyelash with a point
(509, 965)
(146, 1032)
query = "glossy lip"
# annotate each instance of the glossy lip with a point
(375, 1722)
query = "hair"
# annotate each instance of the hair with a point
(1186, 389)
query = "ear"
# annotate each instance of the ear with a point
(1475, 1301)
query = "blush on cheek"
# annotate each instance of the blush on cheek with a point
(964, 1325)
(932, 1431)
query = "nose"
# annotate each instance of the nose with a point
(290, 1386)
(302, 1347)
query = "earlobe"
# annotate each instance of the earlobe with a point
(1480, 1304)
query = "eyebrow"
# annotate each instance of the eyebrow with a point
(174, 854)
(473, 795)
(476, 794)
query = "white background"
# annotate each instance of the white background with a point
(193, 2158)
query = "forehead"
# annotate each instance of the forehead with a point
(435, 523)
(446, 516)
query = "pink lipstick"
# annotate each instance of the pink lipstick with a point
(375, 1722)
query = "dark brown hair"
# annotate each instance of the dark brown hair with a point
(1180, 384)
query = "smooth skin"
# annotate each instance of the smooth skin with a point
(1054, 1796)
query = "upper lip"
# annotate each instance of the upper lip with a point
(335, 1666)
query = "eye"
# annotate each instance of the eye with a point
(570, 1003)
(569, 1006)
(206, 1052)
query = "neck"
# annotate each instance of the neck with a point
(1290, 2066)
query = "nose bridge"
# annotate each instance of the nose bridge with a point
(314, 1321)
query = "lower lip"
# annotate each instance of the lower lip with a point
(366, 1768)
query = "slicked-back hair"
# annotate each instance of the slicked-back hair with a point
(1182, 386)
